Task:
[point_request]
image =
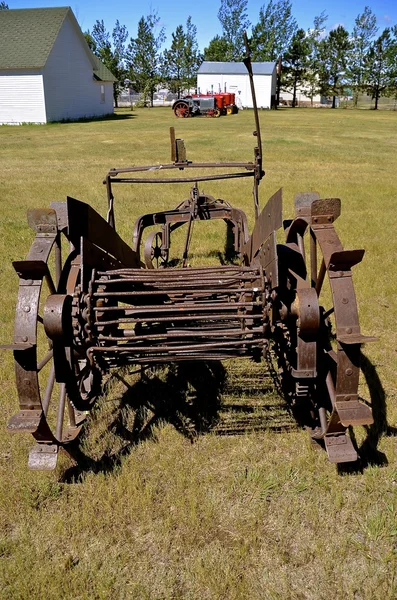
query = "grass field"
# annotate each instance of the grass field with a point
(155, 511)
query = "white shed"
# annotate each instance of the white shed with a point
(47, 70)
(233, 77)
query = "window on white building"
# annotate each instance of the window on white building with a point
(102, 94)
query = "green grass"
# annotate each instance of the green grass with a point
(157, 511)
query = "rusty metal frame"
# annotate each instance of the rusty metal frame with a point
(105, 309)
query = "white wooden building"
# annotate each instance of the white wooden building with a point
(214, 76)
(47, 70)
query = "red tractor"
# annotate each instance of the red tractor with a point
(210, 105)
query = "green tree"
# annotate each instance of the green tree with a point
(111, 50)
(182, 60)
(218, 49)
(174, 61)
(314, 35)
(273, 33)
(90, 41)
(144, 57)
(380, 69)
(333, 54)
(364, 31)
(234, 20)
(3, 6)
(296, 63)
(193, 57)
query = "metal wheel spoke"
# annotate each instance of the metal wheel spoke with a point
(328, 313)
(50, 283)
(48, 391)
(61, 411)
(45, 360)
(72, 416)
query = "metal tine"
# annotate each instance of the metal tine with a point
(179, 318)
(175, 307)
(179, 348)
(176, 291)
(181, 334)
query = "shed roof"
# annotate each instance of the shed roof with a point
(235, 68)
(28, 35)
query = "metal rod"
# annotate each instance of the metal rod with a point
(48, 391)
(177, 335)
(45, 360)
(184, 179)
(176, 307)
(184, 318)
(178, 348)
(301, 246)
(60, 413)
(185, 165)
(331, 388)
(50, 283)
(166, 291)
(321, 276)
(313, 258)
(191, 270)
(323, 419)
(72, 416)
(58, 259)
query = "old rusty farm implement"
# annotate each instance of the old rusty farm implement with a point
(109, 305)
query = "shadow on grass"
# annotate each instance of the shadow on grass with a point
(368, 451)
(109, 117)
(187, 397)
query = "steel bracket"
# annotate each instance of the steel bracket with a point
(339, 448)
(43, 457)
(25, 421)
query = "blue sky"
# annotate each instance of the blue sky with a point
(204, 13)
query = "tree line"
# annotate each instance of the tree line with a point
(313, 61)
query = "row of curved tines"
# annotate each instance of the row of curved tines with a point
(168, 315)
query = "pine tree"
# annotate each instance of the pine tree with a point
(174, 61)
(193, 58)
(333, 54)
(314, 35)
(182, 59)
(296, 63)
(144, 57)
(110, 50)
(380, 68)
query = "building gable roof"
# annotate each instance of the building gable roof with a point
(235, 68)
(28, 35)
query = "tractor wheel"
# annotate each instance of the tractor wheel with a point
(216, 113)
(181, 109)
(229, 110)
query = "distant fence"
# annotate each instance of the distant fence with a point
(167, 98)
(159, 99)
